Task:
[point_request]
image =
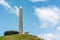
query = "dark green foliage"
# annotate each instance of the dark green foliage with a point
(10, 32)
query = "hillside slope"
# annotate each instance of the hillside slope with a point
(20, 37)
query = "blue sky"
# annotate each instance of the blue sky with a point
(40, 17)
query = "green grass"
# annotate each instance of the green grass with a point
(20, 37)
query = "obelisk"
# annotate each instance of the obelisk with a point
(20, 21)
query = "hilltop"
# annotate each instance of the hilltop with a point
(20, 37)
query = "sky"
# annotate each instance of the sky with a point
(40, 17)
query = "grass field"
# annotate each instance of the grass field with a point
(20, 37)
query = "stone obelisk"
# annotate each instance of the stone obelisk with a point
(20, 21)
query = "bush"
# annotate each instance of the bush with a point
(10, 32)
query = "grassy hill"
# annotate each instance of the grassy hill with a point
(20, 37)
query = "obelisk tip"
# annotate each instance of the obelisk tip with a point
(20, 6)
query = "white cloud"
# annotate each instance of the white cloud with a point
(48, 15)
(16, 10)
(49, 36)
(37, 0)
(57, 36)
(2, 2)
(9, 8)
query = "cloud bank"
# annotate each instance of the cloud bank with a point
(50, 17)
(51, 36)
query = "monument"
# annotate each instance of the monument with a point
(20, 21)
